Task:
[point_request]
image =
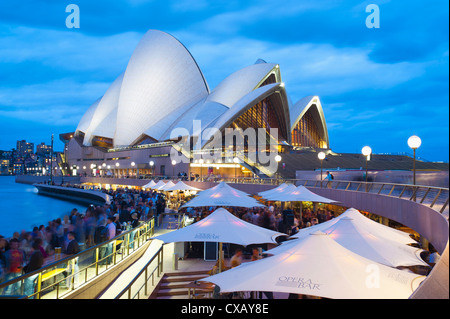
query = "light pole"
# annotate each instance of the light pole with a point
(366, 151)
(151, 167)
(132, 168)
(278, 160)
(414, 142)
(174, 162)
(321, 157)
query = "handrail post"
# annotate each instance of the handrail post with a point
(435, 199)
(146, 281)
(426, 194)
(96, 260)
(159, 270)
(39, 285)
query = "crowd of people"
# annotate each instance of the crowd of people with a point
(26, 251)
(287, 221)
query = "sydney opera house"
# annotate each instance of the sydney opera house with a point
(129, 130)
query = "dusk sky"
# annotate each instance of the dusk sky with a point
(378, 86)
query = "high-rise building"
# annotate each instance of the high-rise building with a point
(24, 148)
(43, 149)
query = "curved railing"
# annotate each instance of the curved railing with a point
(422, 208)
(63, 274)
(434, 199)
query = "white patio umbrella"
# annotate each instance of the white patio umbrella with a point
(222, 186)
(356, 237)
(277, 192)
(299, 194)
(180, 186)
(319, 266)
(223, 195)
(378, 228)
(149, 184)
(222, 227)
(277, 189)
(375, 228)
(166, 186)
(159, 185)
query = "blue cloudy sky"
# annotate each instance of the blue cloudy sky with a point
(378, 86)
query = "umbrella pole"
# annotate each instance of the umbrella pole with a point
(220, 256)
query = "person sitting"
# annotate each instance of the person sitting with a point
(215, 269)
(236, 260)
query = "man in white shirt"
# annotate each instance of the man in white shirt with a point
(111, 231)
(111, 226)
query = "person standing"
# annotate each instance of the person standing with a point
(111, 233)
(36, 262)
(15, 259)
(329, 177)
(72, 266)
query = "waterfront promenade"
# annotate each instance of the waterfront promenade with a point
(414, 213)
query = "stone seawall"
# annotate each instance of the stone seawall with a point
(58, 180)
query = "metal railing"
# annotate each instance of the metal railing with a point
(63, 275)
(433, 197)
(138, 286)
(142, 280)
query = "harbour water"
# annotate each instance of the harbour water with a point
(22, 208)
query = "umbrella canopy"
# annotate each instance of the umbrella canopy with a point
(165, 187)
(379, 229)
(180, 186)
(223, 195)
(149, 184)
(319, 266)
(275, 193)
(222, 226)
(274, 190)
(159, 185)
(376, 229)
(223, 186)
(299, 194)
(356, 237)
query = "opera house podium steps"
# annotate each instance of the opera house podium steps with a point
(173, 285)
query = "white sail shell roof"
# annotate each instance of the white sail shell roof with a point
(161, 76)
(240, 83)
(104, 111)
(87, 117)
(299, 109)
(163, 89)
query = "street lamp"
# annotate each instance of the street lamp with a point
(174, 162)
(321, 157)
(278, 160)
(132, 171)
(366, 151)
(414, 142)
(151, 166)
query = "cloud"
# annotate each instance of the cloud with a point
(377, 86)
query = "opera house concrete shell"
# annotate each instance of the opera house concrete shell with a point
(163, 89)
